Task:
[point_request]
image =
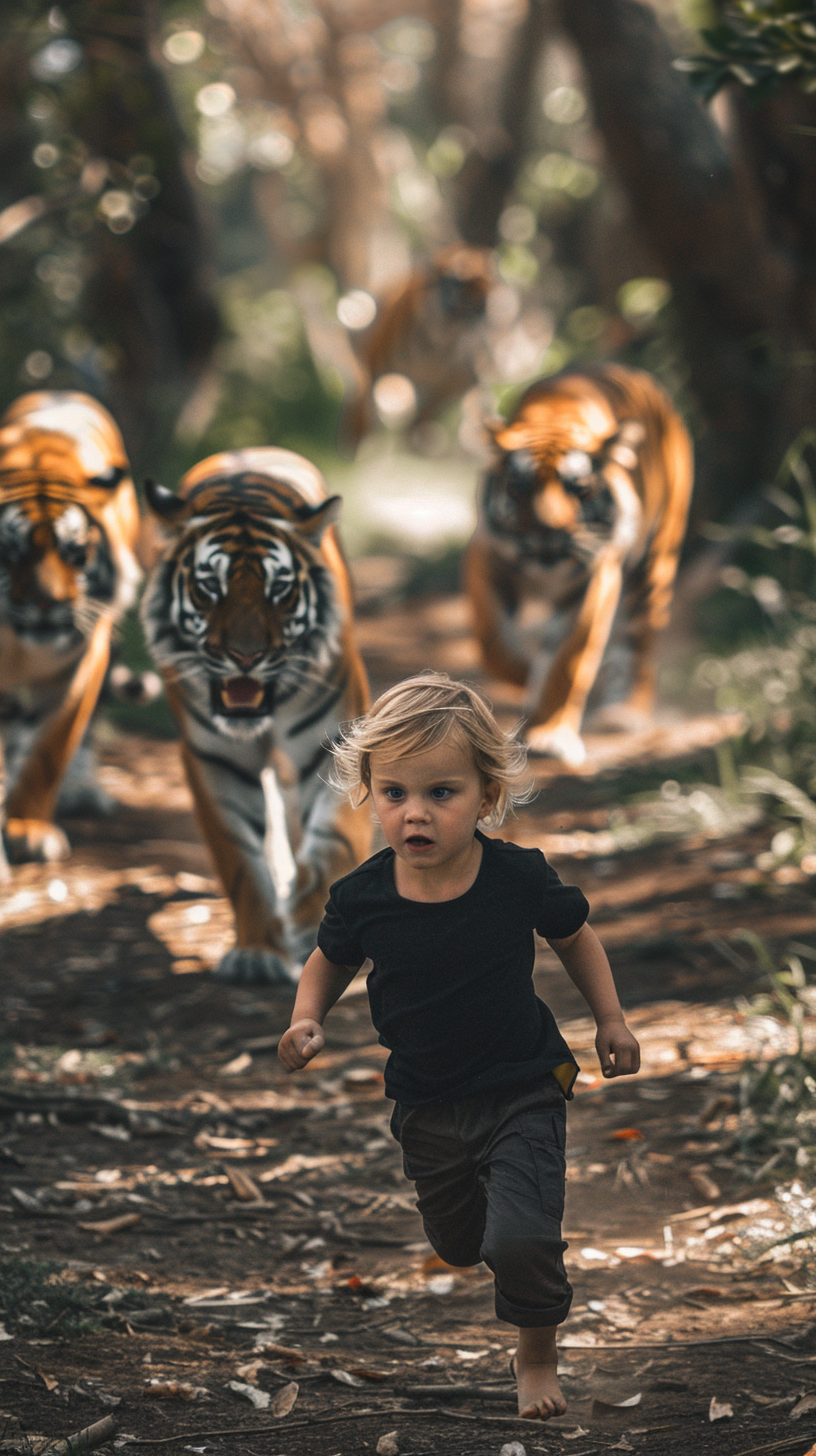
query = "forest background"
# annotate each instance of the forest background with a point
(201, 203)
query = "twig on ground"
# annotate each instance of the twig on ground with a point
(789, 1444)
(284, 1426)
(85, 1440)
(456, 1392)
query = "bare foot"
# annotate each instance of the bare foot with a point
(535, 1366)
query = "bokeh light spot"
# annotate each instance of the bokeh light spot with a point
(183, 47)
(39, 364)
(215, 99)
(356, 309)
(565, 105)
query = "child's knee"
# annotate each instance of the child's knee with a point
(524, 1261)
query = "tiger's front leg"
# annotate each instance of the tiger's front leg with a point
(556, 717)
(230, 807)
(336, 838)
(30, 832)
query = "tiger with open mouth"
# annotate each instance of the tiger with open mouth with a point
(249, 617)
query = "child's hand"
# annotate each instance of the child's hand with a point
(300, 1043)
(618, 1050)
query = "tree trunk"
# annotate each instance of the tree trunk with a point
(489, 174)
(149, 292)
(702, 213)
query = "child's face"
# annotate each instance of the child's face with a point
(429, 805)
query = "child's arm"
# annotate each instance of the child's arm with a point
(584, 960)
(321, 984)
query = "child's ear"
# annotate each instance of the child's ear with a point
(489, 800)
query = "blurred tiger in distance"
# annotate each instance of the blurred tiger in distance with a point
(584, 512)
(424, 336)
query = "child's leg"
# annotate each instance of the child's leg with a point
(450, 1196)
(536, 1361)
(489, 1174)
(522, 1165)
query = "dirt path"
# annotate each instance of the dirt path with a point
(260, 1229)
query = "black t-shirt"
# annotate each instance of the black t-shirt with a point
(451, 989)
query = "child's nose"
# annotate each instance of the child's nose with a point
(416, 809)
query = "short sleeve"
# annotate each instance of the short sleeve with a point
(562, 909)
(335, 940)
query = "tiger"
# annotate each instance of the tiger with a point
(424, 330)
(69, 525)
(248, 616)
(585, 503)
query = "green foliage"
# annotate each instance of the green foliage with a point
(34, 1299)
(778, 1096)
(759, 43)
(768, 603)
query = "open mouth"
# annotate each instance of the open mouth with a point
(245, 697)
(419, 841)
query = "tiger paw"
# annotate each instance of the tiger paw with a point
(561, 742)
(256, 966)
(34, 839)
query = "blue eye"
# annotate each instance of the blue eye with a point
(440, 793)
(394, 795)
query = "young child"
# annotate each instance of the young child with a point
(478, 1068)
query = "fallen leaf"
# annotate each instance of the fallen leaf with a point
(205, 1294)
(622, 1445)
(720, 1410)
(223, 1144)
(366, 1374)
(441, 1284)
(362, 1076)
(433, 1264)
(167, 1389)
(250, 1370)
(705, 1291)
(807, 1403)
(112, 1225)
(628, 1134)
(614, 1410)
(259, 1398)
(239, 1064)
(283, 1352)
(345, 1377)
(242, 1185)
(285, 1399)
(574, 1435)
(26, 1200)
(388, 1445)
(49, 1381)
(4, 1334)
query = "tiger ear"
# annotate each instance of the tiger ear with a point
(313, 521)
(167, 506)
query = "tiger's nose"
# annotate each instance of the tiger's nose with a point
(245, 660)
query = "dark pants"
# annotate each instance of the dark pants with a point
(489, 1173)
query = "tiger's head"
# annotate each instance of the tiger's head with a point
(462, 278)
(241, 612)
(557, 486)
(69, 521)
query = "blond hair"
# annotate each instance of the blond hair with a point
(418, 715)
